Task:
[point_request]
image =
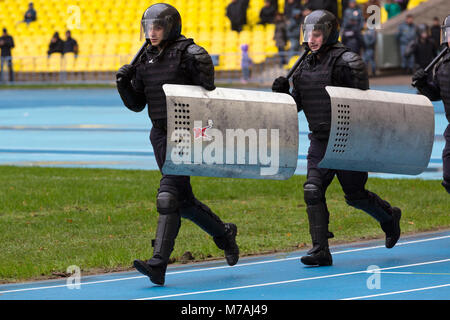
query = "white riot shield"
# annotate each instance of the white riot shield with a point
(230, 133)
(379, 131)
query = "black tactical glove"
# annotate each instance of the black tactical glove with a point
(281, 84)
(419, 78)
(125, 73)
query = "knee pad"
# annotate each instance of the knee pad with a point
(167, 203)
(313, 194)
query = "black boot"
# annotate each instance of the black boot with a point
(392, 228)
(228, 243)
(383, 212)
(166, 232)
(224, 234)
(318, 228)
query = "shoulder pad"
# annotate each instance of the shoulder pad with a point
(357, 67)
(199, 53)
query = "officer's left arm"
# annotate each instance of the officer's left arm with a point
(199, 66)
(350, 71)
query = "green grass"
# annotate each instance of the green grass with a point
(101, 220)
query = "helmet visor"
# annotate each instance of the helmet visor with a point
(155, 29)
(445, 35)
(314, 32)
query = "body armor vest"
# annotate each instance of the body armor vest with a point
(312, 77)
(159, 69)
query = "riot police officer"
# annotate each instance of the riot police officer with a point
(170, 58)
(437, 87)
(330, 63)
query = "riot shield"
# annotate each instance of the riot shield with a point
(379, 131)
(230, 133)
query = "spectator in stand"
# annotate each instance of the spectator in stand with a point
(329, 5)
(351, 35)
(354, 16)
(290, 5)
(392, 8)
(56, 45)
(31, 14)
(70, 44)
(405, 36)
(293, 31)
(436, 30)
(280, 36)
(246, 64)
(424, 49)
(370, 40)
(237, 13)
(267, 13)
(6, 44)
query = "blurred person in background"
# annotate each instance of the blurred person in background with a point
(70, 44)
(424, 49)
(56, 45)
(246, 64)
(30, 14)
(406, 34)
(280, 37)
(267, 13)
(6, 44)
(237, 13)
(436, 30)
(370, 40)
(351, 34)
(290, 5)
(293, 31)
(353, 16)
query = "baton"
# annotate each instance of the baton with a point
(297, 63)
(136, 57)
(432, 63)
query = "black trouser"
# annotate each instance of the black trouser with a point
(446, 158)
(179, 186)
(352, 183)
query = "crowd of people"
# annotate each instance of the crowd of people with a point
(56, 45)
(418, 43)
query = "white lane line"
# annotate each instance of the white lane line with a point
(221, 267)
(291, 281)
(398, 292)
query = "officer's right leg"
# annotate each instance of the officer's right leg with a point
(314, 195)
(318, 218)
(169, 222)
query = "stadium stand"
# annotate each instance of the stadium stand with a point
(108, 32)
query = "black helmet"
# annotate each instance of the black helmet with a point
(163, 15)
(445, 30)
(320, 20)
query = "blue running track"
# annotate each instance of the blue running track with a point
(417, 268)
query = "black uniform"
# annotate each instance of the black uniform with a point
(335, 65)
(181, 61)
(438, 88)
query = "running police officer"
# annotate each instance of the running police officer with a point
(436, 88)
(330, 63)
(170, 58)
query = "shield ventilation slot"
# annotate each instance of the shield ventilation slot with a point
(182, 123)
(343, 129)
